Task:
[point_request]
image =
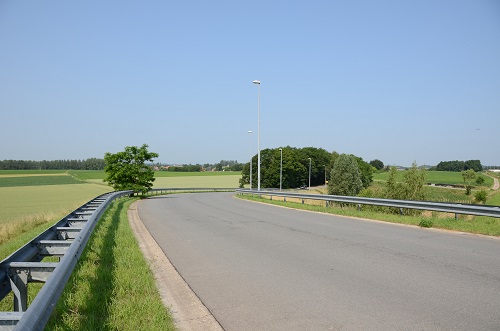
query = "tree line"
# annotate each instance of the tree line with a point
(458, 166)
(295, 164)
(88, 164)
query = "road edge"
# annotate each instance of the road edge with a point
(188, 311)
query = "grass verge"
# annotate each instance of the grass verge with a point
(112, 286)
(478, 225)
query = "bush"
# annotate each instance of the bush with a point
(425, 223)
(481, 196)
(480, 180)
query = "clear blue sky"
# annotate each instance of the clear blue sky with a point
(400, 81)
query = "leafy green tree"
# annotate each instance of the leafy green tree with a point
(377, 164)
(474, 165)
(366, 171)
(411, 187)
(394, 190)
(127, 170)
(345, 178)
(414, 181)
(469, 176)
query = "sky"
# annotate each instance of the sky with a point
(399, 81)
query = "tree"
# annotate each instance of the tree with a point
(366, 171)
(414, 180)
(481, 196)
(469, 176)
(377, 164)
(345, 178)
(127, 170)
(411, 187)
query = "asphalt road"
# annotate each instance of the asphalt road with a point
(261, 267)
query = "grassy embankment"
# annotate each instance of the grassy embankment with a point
(465, 223)
(112, 287)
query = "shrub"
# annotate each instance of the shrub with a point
(481, 196)
(425, 223)
(480, 180)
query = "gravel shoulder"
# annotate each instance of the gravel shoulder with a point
(188, 311)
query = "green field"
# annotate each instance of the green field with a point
(12, 181)
(437, 177)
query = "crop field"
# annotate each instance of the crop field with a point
(26, 201)
(31, 180)
(166, 179)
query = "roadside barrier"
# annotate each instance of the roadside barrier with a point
(456, 208)
(65, 240)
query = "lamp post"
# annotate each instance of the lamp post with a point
(281, 167)
(325, 174)
(309, 173)
(251, 159)
(258, 132)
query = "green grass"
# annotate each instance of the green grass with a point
(437, 177)
(30, 172)
(85, 175)
(479, 225)
(37, 181)
(112, 286)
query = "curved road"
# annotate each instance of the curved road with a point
(261, 267)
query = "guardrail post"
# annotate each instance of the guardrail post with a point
(359, 207)
(19, 285)
(456, 217)
(327, 203)
(302, 201)
(400, 211)
(284, 199)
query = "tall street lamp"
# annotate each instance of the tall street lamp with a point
(309, 173)
(325, 174)
(251, 159)
(281, 167)
(258, 132)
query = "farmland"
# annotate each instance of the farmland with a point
(36, 198)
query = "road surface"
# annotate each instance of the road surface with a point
(262, 267)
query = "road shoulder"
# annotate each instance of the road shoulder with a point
(188, 311)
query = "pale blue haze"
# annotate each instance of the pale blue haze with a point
(400, 81)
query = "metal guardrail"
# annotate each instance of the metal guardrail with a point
(456, 208)
(66, 240)
(160, 191)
